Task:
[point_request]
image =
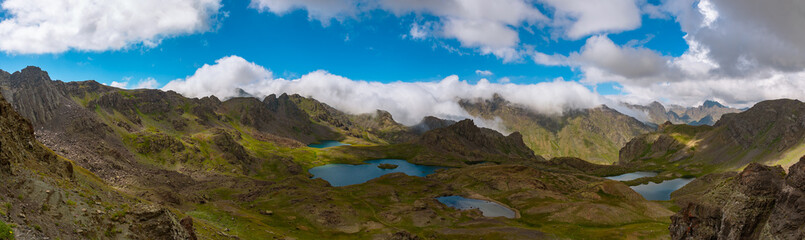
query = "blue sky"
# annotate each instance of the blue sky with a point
(678, 52)
(372, 48)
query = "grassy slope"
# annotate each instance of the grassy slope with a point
(595, 135)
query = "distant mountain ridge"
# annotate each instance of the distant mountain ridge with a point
(595, 134)
(706, 114)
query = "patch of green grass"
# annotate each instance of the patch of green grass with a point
(118, 214)
(6, 233)
(4, 209)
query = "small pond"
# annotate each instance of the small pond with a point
(347, 174)
(326, 144)
(632, 176)
(489, 209)
(661, 191)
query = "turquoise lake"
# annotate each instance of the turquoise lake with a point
(347, 174)
(326, 144)
(632, 176)
(489, 209)
(661, 191)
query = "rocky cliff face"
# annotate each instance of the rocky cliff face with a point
(759, 203)
(45, 197)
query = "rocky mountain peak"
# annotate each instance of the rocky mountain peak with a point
(712, 104)
(29, 75)
(657, 105)
(796, 175)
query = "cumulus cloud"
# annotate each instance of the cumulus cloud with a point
(628, 62)
(745, 36)
(321, 10)
(44, 26)
(119, 84)
(491, 27)
(221, 79)
(408, 102)
(579, 18)
(740, 52)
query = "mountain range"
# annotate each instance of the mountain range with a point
(706, 114)
(89, 161)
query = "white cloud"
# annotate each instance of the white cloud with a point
(628, 62)
(491, 27)
(735, 92)
(419, 31)
(408, 102)
(321, 10)
(581, 18)
(740, 52)
(744, 36)
(45, 26)
(149, 83)
(220, 79)
(119, 84)
(483, 72)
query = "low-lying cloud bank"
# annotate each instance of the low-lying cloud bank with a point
(408, 102)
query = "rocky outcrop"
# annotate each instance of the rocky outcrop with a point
(759, 203)
(464, 140)
(159, 223)
(651, 146)
(788, 215)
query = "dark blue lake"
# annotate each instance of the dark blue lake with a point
(326, 144)
(347, 174)
(661, 191)
(489, 209)
(632, 176)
